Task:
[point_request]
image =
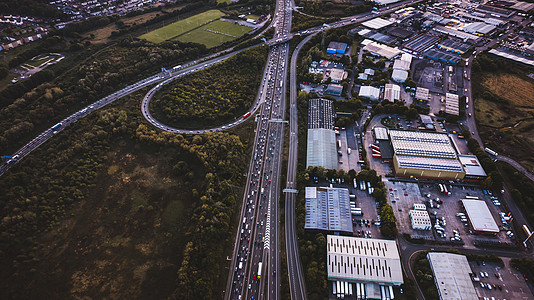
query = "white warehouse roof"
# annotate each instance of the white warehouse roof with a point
(321, 148)
(363, 260)
(399, 75)
(422, 144)
(480, 216)
(370, 92)
(451, 276)
(420, 219)
(381, 133)
(376, 23)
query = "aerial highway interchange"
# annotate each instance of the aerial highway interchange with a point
(254, 272)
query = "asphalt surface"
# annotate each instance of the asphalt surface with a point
(257, 252)
(297, 286)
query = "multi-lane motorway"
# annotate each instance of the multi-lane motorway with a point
(254, 271)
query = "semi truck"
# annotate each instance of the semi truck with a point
(491, 152)
(246, 115)
(259, 270)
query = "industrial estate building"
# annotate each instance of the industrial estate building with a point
(480, 217)
(370, 92)
(336, 48)
(420, 219)
(321, 147)
(373, 265)
(392, 92)
(328, 209)
(451, 276)
(378, 49)
(425, 154)
(452, 105)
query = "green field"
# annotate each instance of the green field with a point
(180, 27)
(224, 1)
(214, 33)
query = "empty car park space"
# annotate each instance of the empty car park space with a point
(501, 282)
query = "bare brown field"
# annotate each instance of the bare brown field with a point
(517, 90)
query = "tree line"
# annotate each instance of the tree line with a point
(213, 96)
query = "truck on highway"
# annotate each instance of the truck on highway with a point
(240, 265)
(348, 151)
(57, 126)
(491, 152)
(246, 115)
(259, 270)
(338, 143)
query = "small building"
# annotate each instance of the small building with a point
(392, 92)
(473, 168)
(334, 89)
(420, 220)
(422, 94)
(399, 76)
(452, 106)
(400, 64)
(364, 260)
(452, 276)
(369, 72)
(440, 55)
(336, 48)
(419, 206)
(336, 75)
(480, 217)
(426, 120)
(380, 133)
(370, 92)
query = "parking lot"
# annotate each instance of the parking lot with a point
(402, 196)
(501, 283)
(348, 161)
(362, 225)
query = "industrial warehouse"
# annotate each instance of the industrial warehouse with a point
(451, 276)
(372, 265)
(424, 154)
(328, 209)
(480, 216)
(321, 150)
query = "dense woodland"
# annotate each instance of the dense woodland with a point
(107, 71)
(215, 95)
(112, 207)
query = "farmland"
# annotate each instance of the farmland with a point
(180, 27)
(214, 33)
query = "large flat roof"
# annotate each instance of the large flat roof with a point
(418, 143)
(429, 163)
(381, 50)
(363, 260)
(452, 104)
(328, 209)
(321, 148)
(451, 275)
(480, 216)
(421, 42)
(377, 23)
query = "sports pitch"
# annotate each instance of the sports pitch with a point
(180, 27)
(215, 33)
